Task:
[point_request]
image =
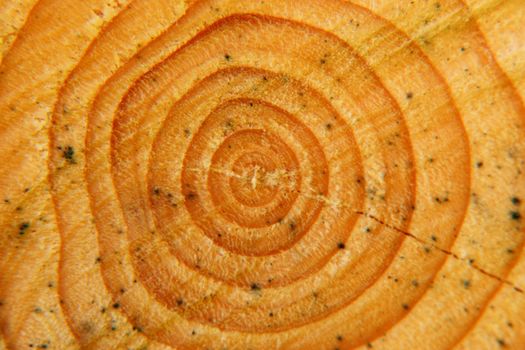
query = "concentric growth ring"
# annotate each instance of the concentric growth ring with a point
(278, 174)
(338, 163)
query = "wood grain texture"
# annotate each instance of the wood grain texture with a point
(277, 174)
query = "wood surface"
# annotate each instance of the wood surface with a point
(266, 174)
